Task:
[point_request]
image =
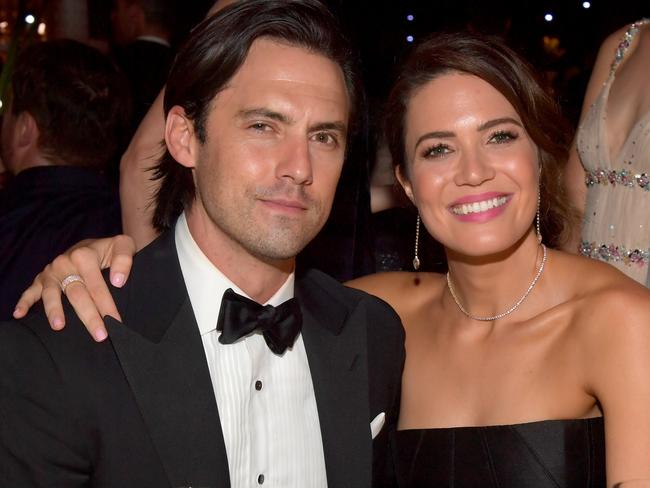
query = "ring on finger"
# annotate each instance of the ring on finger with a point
(68, 280)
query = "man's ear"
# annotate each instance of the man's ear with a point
(26, 132)
(404, 181)
(180, 138)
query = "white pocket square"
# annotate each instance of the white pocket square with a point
(377, 424)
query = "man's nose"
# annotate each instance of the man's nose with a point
(295, 161)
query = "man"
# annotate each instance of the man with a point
(341, 249)
(255, 139)
(64, 121)
(142, 31)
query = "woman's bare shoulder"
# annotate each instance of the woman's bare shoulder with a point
(588, 278)
(400, 288)
(614, 40)
(611, 332)
(605, 301)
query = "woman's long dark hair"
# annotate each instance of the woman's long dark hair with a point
(494, 62)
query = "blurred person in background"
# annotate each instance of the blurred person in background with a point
(142, 33)
(608, 174)
(64, 122)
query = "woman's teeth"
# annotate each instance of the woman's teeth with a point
(476, 207)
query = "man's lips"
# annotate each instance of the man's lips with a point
(285, 203)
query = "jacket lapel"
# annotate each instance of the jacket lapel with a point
(160, 350)
(336, 350)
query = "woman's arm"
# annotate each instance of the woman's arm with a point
(137, 189)
(617, 364)
(91, 298)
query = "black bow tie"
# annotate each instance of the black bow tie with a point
(240, 316)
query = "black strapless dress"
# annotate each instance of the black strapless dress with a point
(550, 453)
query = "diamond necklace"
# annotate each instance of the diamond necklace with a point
(511, 309)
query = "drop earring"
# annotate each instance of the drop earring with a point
(416, 259)
(537, 225)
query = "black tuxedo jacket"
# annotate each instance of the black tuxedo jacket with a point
(139, 410)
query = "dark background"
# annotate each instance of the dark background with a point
(564, 50)
(379, 29)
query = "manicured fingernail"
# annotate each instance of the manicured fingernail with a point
(57, 323)
(18, 311)
(118, 279)
(100, 335)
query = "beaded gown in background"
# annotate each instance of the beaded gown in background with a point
(616, 226)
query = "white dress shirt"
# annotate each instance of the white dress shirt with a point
(266, 402)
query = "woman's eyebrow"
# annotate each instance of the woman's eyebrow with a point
(494, 122)
(442, 134)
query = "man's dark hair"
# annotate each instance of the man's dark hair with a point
(212, 55)
(78, 98)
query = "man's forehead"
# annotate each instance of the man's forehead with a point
(289, 80)
(271, 60)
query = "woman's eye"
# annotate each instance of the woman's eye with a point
(503, 136)
(436, 151)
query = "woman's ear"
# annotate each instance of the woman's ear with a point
(180, 138)
(404, 181)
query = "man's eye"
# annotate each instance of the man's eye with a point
(260, 126)
(325, 138)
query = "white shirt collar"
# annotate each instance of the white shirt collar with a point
(156, 39)
(206, 284)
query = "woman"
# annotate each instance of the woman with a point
(609, 167)
(514, 335)
(525, 366)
